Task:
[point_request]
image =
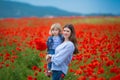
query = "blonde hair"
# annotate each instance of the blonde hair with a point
(57, 26)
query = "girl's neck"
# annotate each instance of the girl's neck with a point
(55, 35)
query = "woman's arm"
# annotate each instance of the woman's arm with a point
(60, 57)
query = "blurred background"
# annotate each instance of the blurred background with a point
(24, 30)
(51, 8)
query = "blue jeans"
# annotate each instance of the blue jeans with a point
(49, 65)
(50, 51)
(57, 75)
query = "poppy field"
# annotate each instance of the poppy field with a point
(23, 48)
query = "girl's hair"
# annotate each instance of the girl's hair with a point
(57, 26)
(72, 36)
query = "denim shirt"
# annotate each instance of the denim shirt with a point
(53, 42)
(62, 57)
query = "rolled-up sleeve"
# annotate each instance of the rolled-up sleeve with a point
(62, 55)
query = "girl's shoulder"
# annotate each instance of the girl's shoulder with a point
(61, 37)
(50, 37)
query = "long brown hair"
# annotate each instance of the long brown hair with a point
(72, 36)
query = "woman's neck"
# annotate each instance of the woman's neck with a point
(66, 40)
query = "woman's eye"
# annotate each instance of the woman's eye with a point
(67, 31)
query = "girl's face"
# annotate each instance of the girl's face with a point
(55, 32)
(66, 33)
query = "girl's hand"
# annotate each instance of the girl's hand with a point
(48, 58)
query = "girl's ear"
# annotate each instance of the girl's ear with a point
(50, 33)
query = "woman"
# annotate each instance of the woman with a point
(63, 53)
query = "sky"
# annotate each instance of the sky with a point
(79, 6)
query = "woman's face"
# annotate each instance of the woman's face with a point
(66, 33)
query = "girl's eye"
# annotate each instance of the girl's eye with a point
(56, 30)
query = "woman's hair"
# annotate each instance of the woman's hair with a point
(55, 26)
(72, 36)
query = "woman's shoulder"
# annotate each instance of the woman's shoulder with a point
(69, 43)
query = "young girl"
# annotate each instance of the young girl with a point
(53, 41)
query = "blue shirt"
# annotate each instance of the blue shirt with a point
(53, 42)
(62, 57)
(56, 41)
